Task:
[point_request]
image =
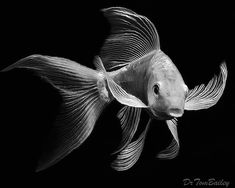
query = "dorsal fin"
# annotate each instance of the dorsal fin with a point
(132, 37)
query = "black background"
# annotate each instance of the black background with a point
(197, 37)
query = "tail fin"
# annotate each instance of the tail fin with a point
(81, 106)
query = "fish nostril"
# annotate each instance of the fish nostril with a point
(176, 112)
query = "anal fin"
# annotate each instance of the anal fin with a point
(131, 153)
(129, 118)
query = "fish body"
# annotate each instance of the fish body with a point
(132, 69)
(133, 78)
(139, 77)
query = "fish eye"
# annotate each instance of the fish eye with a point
(156, 89)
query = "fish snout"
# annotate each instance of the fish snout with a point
(175, 112)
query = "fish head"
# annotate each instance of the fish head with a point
(166, 90)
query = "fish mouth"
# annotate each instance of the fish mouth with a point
(175, 115)
(160, 115)
(166, 115)
(175, 112)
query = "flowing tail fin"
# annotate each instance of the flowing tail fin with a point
(82, 102)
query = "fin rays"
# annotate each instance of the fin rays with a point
(172, 150)
(72, 127)
(132, 36)
(203, 97)
(131, 153)
(81, 106)
(129, 118)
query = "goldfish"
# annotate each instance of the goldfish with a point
(131, 69)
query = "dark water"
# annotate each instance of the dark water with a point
(197, 39)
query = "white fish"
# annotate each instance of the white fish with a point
(131, 69)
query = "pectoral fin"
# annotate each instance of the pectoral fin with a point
(118, 93)
(203, 97)
(123, 97)
(172, 150)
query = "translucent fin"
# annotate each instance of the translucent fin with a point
(173, 149)
(118, 93)
(129, 118)
(60, 72)
(130, 155)
(203, 97)
(132, 37)
(81, 106)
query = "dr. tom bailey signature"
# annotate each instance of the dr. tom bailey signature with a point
(212, 182)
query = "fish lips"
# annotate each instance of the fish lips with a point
(164, 115)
